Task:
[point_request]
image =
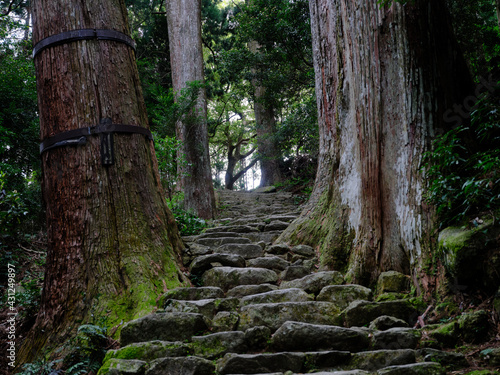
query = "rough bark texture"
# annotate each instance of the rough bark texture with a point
(265, 123)
(113, 243)
(384, 78)
(186, 56)
(266, 145)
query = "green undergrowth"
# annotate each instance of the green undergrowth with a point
(463, 167)
(84, 354)
(188, 223)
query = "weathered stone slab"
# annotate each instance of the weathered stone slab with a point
(192, 294)
(163, 326)
(206, 307)
(229, 277)
(385, 322)
(396, 338)
(147, 351)
(266, 237)
(217, 344)
(276, 225)
(425, 368)
(315, 282)
(181, 366)
(303, 336)
(377, 359)
(271, 262)
(343, 295)
(304, 250)
(392, 281)
(278, 249)
(294, 272)
(218, 241)
(452, 361)
(206, 262)
(275, 296)
(274, 315)
(217, 235)
(246, 290)
(263, 363)
(359, 313)
(247, 251)
(235, 229)
(257, 338)
(123, 367)
(325, 360)
(225, 321)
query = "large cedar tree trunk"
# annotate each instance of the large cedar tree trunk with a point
(385, 75)
(186, 56)
(113, 244)
(266, 145)
(265, 124)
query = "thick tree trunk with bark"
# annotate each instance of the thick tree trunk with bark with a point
(384, 78)
(186, 55)
(265, 125)
(113, 243)
(266, 130)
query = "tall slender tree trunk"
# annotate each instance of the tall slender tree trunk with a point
(385, 76)
(186, 55)
(266, 145)
(113, 244)
(265, 122)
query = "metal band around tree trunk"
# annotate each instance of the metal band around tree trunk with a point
(83, 34)
(105, 130)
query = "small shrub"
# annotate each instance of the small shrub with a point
(189, 224)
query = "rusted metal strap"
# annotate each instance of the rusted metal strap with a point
(83, 34)
(105, 130)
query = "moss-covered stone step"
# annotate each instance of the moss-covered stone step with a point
(274, 315)
(230, 277)
(396, 338)
(218, 344)
(206, 307)
(285, 361)
(377, 359)
(163, 327)
(343, 295)
(148, 351)
(303, 336)
(360, 313)
(181, 366)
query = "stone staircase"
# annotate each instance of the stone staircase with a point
(264, 308)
